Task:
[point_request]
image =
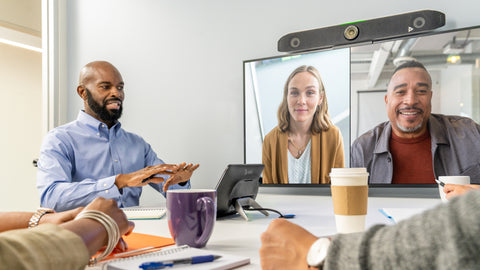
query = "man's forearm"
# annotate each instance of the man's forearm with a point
(66, 196)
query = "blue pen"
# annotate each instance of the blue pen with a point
(387, 215)
(169, 263)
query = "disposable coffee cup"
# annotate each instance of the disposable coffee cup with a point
(349, 188)
(457, 180)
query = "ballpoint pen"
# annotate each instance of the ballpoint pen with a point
(169, 263)
(440, 182)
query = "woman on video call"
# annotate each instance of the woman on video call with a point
(305, 145)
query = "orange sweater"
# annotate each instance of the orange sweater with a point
(412, 160)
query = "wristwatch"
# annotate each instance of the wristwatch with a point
(318, 252)
(38, 214)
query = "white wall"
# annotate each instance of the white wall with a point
(182, 62)
(457, 102)
(20, 138)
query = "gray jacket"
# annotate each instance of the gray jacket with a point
(446, 237)
(455, 149)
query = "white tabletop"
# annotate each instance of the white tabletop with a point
(237, 236)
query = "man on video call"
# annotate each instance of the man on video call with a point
(401, 150)
(94, 156)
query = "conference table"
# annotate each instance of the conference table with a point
(237, 236)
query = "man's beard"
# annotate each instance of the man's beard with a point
(415, 128)
(410, 130)
(101, 110)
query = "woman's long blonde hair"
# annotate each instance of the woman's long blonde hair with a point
(321, 119)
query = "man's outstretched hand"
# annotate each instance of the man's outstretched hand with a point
(178, 174)
(181, 175)
(146, 175)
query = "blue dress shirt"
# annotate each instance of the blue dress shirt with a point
(79, 162)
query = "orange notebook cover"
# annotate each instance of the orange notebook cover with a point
(139, 243)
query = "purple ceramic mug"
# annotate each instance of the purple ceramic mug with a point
(191, 215)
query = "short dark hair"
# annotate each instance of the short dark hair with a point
(410, 64)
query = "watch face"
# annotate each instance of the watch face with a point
(318, 252)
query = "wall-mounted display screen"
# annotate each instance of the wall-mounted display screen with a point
(356, 78)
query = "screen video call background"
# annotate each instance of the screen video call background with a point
(348, 76)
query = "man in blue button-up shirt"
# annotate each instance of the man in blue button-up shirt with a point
(94, 157)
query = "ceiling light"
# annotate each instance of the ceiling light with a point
(454, 59)
(21, 45)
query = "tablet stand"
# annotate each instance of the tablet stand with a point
(246, 202)
(243, 196)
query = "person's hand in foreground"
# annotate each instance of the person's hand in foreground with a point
(92, 232)
(285, 245)
(452, 190)
(183, 174)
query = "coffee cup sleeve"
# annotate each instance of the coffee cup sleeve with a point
(350, 200)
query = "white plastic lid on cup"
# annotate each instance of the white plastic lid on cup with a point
(455, 179)
(348, 171)
(349, 176)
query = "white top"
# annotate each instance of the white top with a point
(299, 170)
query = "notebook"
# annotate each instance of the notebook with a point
(226, 261)
(139, 243)
(136, 213)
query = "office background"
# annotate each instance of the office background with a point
(182, 65)
(21, 110)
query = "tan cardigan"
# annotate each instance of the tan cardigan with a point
(327, 153)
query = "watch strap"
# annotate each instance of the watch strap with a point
(38, 215)
(317, 253)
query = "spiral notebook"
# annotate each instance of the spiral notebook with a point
(136, 212)
(226, 261)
